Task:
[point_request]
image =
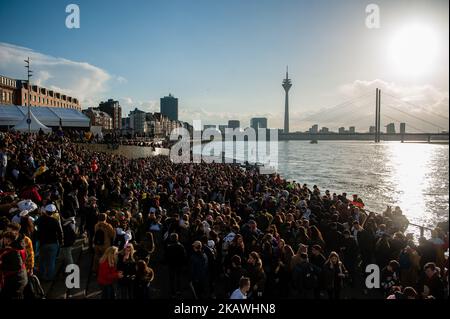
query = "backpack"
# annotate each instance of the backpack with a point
(33, 290)
(99, 237)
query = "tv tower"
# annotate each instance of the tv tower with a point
(286, 86)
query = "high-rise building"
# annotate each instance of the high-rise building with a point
(234, 124)
(402, 128)
(222, 128)
(372, 129)
(114, 110)
(314, 129)
(390, 128)
(207, 126)
(342, 130)
(169, 107)
(258, 122)
(324, 130)
(351, 129)
(138, 121)
(287, 84)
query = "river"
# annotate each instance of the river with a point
(414, 176)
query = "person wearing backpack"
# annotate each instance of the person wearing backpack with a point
(13, 274)
(104, 235)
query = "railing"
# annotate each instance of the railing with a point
(421, 227)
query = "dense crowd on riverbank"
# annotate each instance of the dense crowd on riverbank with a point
(208, 225)
(114, 139)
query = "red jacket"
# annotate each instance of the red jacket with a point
(31, 193)
(106, 275)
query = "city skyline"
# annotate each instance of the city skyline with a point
(178, 56)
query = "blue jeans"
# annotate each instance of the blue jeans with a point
(47, 261)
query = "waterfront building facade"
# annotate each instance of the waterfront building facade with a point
(114, 110)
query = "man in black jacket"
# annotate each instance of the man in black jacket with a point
(176, 259)
(50, 237)
(366, 244)
(349, 252)
(199, 273)
(317, 259)
(433, 284)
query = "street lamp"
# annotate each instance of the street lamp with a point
(29, 75)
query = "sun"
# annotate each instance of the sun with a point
(413, 49)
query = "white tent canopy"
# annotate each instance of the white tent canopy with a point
(11, 115)
(34, 125)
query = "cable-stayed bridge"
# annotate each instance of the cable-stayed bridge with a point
(416, 122)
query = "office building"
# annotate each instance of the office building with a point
(207, 126)
(234, 124)
(258, 122)
(402, 128)
(351, 129)
(390, 128)
(169, 107)
(314, 129)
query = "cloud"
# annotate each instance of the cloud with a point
(82, 80)
(128, 103)
(121, 79)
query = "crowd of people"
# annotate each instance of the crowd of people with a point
(218, 230)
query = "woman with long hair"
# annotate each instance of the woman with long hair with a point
(256, 274)
(146, 247)
(283, 271)
(334, 274)
(144, 277)
(237, 247)
(127, 265)
(108, 273)
(316, 237)
(302, 236)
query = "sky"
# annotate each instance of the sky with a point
(225, 59)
